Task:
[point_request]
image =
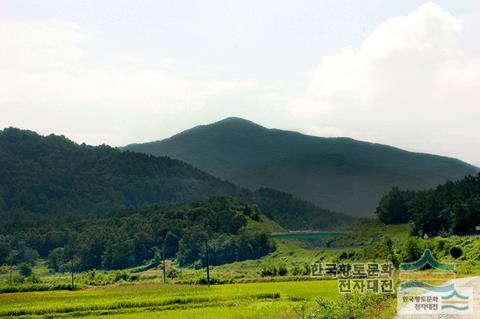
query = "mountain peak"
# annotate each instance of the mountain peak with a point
(224, 127)
(235, 121)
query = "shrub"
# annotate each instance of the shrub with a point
(296, 271)
(349, 306)
(213, 281)
(282, 270)
(173, 273)
(269, 271)
(33, 279)
(121, 275)
(306, 269)
(456, 252)
(29, 288)
(411, 250)
(25, 270)
(18, 279)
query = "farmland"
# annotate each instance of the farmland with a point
(240, 290)
(251, 300)
(246, 293)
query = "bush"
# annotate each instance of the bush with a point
(349, 306)
(29, 288)
(121, 275)
(18, 279)
(411, 250)
(269, 271)
(213, 281)
(296, 271)
(124, 276)
(456, 252)
(306, 269)
(282, 270)
(172, 273)
(466, 268)
(25, 270)
(33, 280)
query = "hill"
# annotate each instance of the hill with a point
(45, 177)
(53, 175)
(340, 174)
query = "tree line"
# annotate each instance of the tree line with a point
(450, 208)
(132, 237)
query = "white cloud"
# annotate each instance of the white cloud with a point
(49, 82)
(40, 45)
(410, 83)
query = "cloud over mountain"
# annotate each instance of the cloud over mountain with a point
(410, 81)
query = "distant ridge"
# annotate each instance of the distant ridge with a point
(340, 174)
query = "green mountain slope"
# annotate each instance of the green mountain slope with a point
(53, 175)
(340, 174)
(43, 177)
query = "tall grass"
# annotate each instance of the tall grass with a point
(350, 306)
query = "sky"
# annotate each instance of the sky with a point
(403, 73)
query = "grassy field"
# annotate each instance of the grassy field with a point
(250, 300)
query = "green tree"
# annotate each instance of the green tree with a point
(25, 270)
(56, 258)
(411, 250)
(393, 208)
(386, 250)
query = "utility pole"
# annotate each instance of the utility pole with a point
(206, 257)
(163, 262)
(71, 268)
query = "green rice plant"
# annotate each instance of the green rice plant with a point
(147, 299)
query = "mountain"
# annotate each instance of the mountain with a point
(340, 174)
(46, 177)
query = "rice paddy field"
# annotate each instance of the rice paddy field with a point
(248, 300)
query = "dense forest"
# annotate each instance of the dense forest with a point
(450, 208)
(129, 237)
(46, 177)
(340, 174)
(53, 175)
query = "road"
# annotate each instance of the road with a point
(473, 282)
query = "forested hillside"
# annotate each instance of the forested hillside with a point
(53, 175)
(451, 208)
(127, 238)
(46, 177)
(340, 174)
